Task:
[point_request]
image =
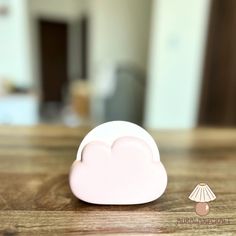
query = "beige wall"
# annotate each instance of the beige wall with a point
(58, 9)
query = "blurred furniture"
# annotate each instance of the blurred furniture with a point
(127, 100)
(80, 94)
(19, 109)
(77, 110)
(36, 199)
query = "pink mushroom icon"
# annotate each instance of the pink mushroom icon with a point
(202, 194)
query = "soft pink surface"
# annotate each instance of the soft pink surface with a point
(125, 173)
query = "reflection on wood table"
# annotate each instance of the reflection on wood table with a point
(35, 197)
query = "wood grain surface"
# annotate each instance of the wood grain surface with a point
(35, 198)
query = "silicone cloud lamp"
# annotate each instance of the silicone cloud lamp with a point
(118, 163)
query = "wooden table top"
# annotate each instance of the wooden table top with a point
(35, 198)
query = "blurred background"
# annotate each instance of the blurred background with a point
(163, 64)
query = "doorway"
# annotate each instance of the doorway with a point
(218, 99)
(54, 66)
(53, 52)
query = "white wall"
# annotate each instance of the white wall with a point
(176, 56)
(15, 54)
(119, 35)
(119, 31)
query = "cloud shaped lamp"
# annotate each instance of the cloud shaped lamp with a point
(118, 163)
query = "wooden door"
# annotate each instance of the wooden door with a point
(54, 63)
(218, 100)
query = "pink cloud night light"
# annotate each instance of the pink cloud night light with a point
(118, 163)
